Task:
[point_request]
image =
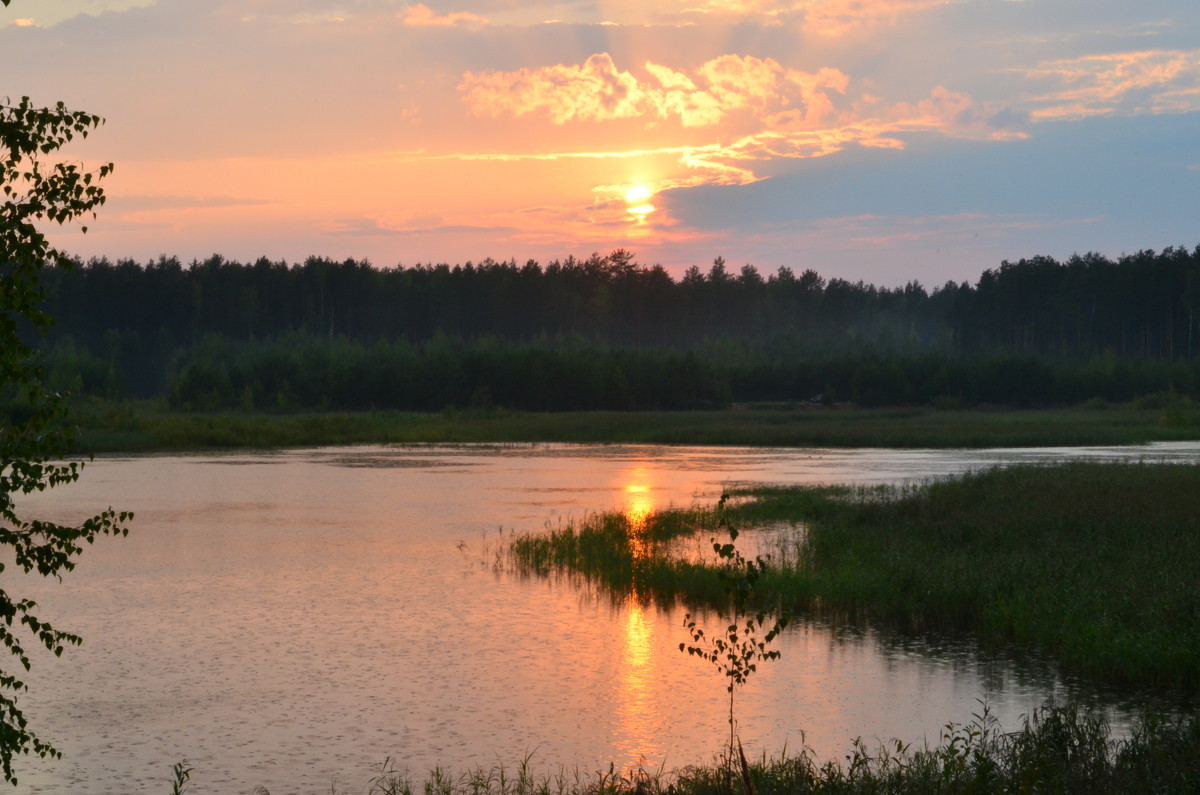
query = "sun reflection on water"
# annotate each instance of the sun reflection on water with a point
(637, 727)
(639, 505)
(637, 719)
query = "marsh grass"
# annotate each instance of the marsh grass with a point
(1096, 565)
(148, 426)
(625, 556)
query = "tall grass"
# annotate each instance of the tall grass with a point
(1096, 564)
(1056, 750)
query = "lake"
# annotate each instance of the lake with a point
(292, 619)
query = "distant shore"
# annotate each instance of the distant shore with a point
(148, 427)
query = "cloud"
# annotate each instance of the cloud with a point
(48, 13)
(828, 18)
(841, 17)
(421, 15)
(754, 111)
(592, 91)
(598, 91)
(955, 113)
(1125, 83)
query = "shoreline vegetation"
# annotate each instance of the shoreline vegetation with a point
(1056, 750)
(1093, 565)
(149, 426)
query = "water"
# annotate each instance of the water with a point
(291, 619)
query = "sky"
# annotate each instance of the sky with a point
(882, 140)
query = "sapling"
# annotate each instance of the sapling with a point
(743, 644)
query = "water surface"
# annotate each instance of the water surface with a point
(291, 619)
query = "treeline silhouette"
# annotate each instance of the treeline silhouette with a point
(608, 333)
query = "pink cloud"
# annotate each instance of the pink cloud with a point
(421, 15)
(598, 90)
(829, 18)
(841, 17)
(595, 90)
(1128, 83)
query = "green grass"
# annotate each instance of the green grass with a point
(1057, 750)
(143, 427)
(1096, 565)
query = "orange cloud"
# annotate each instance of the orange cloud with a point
(738, 119)
(593, 91)
(599, 91)
(782, 136)
(955, 113)
(822, 17)
(1127, 83)
(840, 17)
(421, 15)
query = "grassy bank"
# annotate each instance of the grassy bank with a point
(1097, 565)
(143, 427)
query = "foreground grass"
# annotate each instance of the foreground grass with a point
(144, 427)
(1057, 750)
(1096, 565)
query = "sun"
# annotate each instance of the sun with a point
(636, 198)
(638, 193)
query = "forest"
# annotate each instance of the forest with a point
(609, 333)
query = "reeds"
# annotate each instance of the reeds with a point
(1063, 749)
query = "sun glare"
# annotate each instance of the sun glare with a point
(635, 198)
(638, 193)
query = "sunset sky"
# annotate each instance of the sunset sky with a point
(883, 140)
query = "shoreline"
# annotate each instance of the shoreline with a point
(147, 427)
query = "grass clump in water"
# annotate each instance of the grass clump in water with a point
(625, 554)
(1097, 565)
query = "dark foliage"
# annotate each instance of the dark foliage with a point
(607, 333)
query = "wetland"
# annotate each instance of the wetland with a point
(289, 619)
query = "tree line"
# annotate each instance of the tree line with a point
(606, 332)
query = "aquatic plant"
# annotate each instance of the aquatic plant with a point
(182, 772)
